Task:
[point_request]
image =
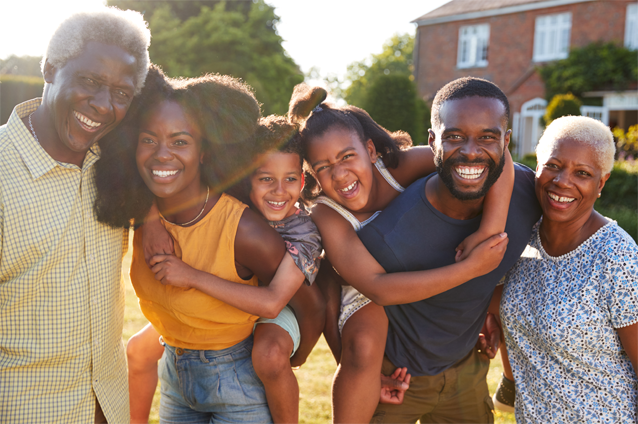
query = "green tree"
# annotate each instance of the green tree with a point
(597, 66)
(21, 65)
(241, 41)
(561, 105)
(384, 86)
(180, 8)
(392, 101)
(395, 59)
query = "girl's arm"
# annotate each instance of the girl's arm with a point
(155, 239)
(258, 248)
(414, 163)
(495, 209)
(359, 268)
(264, 301)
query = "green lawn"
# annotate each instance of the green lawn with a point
(315, 377)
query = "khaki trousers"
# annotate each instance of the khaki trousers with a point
(457, 395)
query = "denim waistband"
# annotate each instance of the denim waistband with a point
(247, 344)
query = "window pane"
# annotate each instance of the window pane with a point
(473, 42)
(551, 38)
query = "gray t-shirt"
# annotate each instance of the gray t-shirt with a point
(431, 335)
(303, 242)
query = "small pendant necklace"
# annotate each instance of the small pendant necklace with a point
(198, 215)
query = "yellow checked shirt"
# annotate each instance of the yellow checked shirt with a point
(61, 290)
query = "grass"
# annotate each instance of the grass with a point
(315, 377)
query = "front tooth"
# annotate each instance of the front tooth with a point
(561, 199)
(470, 173)
(350, 187)
(164, 174)
(86, 120)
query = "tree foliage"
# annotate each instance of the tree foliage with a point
(597, 66)
(627, 144)
(561, 105)
(392, 101)
(395, 59)
(235, 38)
(180, 8)
(384, 86)
(21, 65)
(16, 89)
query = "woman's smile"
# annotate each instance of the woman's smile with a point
(169, 152)
(568, 183)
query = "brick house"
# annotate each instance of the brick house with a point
(505, 40)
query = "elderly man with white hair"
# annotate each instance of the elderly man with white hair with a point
(570, 304)
(61, 293)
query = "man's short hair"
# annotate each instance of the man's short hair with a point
(108, 25)
(467, 87)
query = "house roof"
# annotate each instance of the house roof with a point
(456, 10)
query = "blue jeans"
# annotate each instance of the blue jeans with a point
(211, 386)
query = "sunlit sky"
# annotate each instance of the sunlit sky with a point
(325, 34)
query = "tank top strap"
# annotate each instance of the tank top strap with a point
(387, 176)
(346, 214)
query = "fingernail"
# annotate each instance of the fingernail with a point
(503, 235)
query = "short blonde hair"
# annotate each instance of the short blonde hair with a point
(588, 131)
(108, 25)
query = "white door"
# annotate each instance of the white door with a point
(530, 128)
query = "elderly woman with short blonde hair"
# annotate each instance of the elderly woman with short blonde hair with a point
(570, 304)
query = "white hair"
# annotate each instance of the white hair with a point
(587, 131)
(108, 25)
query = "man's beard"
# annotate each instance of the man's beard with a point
(446, 168)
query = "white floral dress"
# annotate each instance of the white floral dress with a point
(560, 315)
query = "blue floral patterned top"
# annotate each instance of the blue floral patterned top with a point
(560, 315)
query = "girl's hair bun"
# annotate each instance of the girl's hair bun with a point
(304, 99)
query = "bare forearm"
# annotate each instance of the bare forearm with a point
(265, 301)
(261, 301)
(407, 287)
(497, 200)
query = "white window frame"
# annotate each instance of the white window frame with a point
(552, 35)
(473, 46)
(631, 27)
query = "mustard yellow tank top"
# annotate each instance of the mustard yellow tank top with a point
(188, 318)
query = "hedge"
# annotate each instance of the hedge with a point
(15, 89)
(392, 101)
(561, 105)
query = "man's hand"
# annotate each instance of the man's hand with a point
(393, 387)
(490, 337)
(170, 270)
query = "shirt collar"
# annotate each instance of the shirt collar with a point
(38, 161)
